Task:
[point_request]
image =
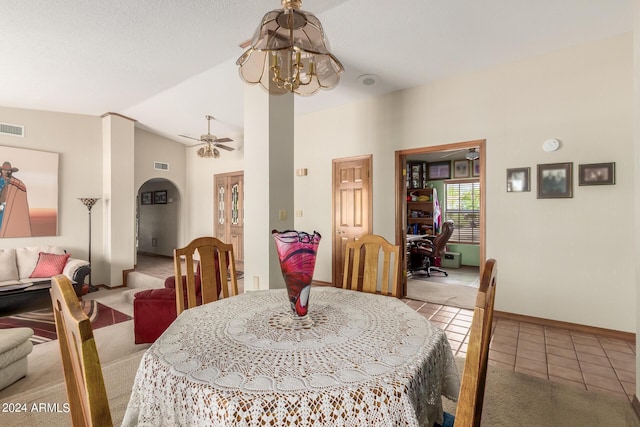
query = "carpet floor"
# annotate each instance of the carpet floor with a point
(442, 293)
(44, 327)
(516, 399)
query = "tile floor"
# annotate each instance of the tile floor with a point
(590, 362)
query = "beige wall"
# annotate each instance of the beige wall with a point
(78, 141)
(199, 192)
(567, 259)
(151, 148)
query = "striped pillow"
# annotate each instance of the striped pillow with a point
(49, 265)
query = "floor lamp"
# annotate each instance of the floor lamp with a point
(89, 202)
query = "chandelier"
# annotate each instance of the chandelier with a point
(290, 53)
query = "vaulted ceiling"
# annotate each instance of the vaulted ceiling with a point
(168, 63)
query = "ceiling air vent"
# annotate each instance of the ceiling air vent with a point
(160, 166)
(13, 130)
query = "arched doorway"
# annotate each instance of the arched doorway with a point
(157, 217)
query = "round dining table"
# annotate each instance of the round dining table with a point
(362, 360)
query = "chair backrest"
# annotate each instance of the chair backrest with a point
(361, 265)
(217, 271)
(440, 241)
(469, 410)
(83, 376)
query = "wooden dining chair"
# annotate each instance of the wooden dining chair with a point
(470, 399)
(83, 376)
(217, 272)
(362, 262)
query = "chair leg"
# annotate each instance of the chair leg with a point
(437, 270)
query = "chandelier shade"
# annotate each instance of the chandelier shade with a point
(290, 53)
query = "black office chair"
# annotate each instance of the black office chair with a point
(423, 252)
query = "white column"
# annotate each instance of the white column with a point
(268, 180)
(118, 196)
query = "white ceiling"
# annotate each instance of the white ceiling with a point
(168, 63)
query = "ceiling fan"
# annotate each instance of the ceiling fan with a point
(210, 143)
(472, 154)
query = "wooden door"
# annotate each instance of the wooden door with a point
(229, 213)
(352, 207)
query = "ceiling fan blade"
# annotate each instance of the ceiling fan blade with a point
(190, 137)
(224, 140)
(452, 153)
(224, 147)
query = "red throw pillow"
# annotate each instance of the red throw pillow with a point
(49, 265)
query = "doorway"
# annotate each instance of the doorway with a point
(157, 217)
(352, 185)
(441, 154)
(229, 212)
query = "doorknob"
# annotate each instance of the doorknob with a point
(339, 232)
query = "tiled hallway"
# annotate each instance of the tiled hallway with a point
(588, 361)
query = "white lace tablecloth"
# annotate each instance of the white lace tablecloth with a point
(367, 360)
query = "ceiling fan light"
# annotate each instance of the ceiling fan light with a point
(290, 53)
(473, 155)
(208, 152)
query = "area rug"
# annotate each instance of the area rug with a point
(442, 293)
(44, 327)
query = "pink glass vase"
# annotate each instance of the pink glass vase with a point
(297, 253)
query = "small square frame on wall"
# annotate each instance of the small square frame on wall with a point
(160, 197)
(146, 198)
(439, 170)
(518, 180)
(597, 174)
(555, 180)
(461, 169)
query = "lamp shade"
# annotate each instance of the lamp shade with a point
(290, 53)
(88, 201)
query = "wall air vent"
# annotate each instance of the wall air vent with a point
(160, 166)
(13, 130)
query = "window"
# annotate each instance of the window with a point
(463, 207)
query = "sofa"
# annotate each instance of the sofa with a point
(14, 349)
(25, 272)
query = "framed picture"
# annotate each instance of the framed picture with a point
(518, 180)
(555, 180)
(29, 190)
(597, 174)
(439, 170)
(145, 198)
(476, 167)
(160, 197)
(461, 168)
